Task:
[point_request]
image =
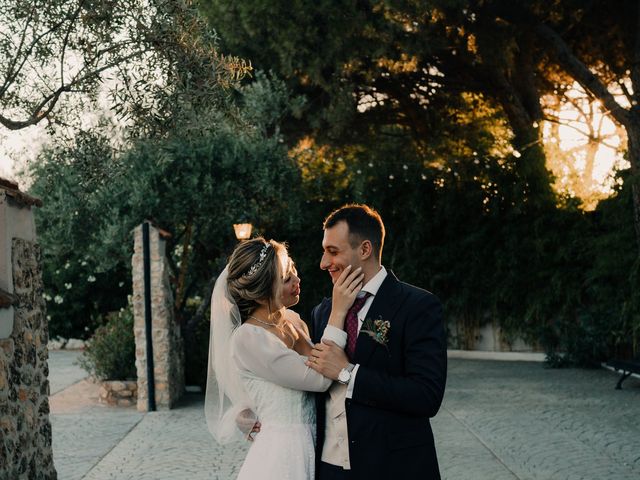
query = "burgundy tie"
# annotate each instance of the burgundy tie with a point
(351, 323)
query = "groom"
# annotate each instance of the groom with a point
(374, 421)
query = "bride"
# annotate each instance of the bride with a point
(257, 357)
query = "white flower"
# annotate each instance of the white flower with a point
(84, 264)
(68, 286)
(58, 299)
(404, 167)
(121, 284)
(517, 154)
(391, 177)
(46, 296)
(91, 279)
(67, 265)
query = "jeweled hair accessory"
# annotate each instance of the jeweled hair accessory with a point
(254, 268)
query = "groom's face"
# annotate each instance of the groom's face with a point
(338, 253)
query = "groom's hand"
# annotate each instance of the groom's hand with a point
(327, 359)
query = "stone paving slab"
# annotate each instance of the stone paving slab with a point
(83, 431)
(462, 455)
(499, 420)
(169, 445)
(62, 370)
(81, 440)
(549, 424)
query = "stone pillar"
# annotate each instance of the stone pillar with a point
(168, 352)
(25, 429)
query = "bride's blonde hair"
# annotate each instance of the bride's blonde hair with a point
(254, 270)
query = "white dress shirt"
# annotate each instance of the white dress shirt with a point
(335, 450)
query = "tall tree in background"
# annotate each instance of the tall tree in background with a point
(404, 64)
(400, 62)
(54, 49)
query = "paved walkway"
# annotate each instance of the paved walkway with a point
(499, 420)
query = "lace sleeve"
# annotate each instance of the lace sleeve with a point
(264, 355)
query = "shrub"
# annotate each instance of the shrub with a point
(111, 353)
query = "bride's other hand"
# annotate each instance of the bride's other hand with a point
(247, 423)
(345, 291)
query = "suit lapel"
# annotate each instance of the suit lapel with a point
(323, 316)
(385, 305)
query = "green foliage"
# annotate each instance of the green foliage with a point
(196, 337)
(110, 354)
(554, 275)
(432, 112)
(428, 111)
(85, 274)
(166, 60)
(194, 185)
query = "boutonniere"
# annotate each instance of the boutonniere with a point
(378, 330)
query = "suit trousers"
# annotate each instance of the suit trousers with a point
(333, 472)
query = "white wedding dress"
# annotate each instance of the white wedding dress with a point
(278, 383)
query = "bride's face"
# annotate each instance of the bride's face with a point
(291, 285)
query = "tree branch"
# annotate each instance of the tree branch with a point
(635, 69)
(625, 90)
(72, 21)
(14, 60)
(553, 119)
(579, 71)
(11, 77)
(52, 99)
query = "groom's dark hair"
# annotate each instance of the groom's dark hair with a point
(364, 224)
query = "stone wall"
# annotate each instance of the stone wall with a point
(168, 350)
(25, 429)
(486, 338)
(120, 393)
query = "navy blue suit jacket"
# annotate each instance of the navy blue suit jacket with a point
(398, 387)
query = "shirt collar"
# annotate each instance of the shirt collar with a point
(373, 285)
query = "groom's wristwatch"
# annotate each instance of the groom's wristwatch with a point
(345, 374)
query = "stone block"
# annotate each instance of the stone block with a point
(56, 344)
(75, 344)
(167, 342)
(26, 430)
(117, 386)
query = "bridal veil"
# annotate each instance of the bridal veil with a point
(228, 410)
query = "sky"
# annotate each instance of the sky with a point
(18, 148)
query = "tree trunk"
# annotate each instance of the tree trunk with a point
(586, 182)
(184, 262)
(531, 163)
(633, 135)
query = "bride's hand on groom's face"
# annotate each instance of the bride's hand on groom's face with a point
(328, 359)
(346, 288)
